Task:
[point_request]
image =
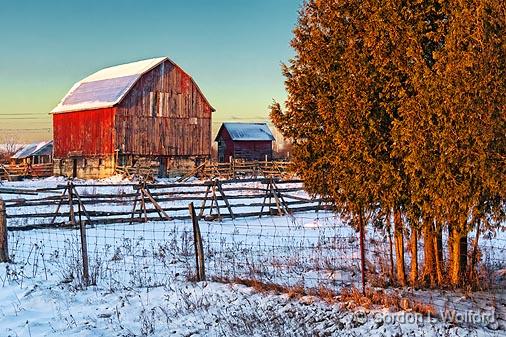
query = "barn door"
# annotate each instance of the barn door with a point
(221, 151)
(162, 169)
(74, 168)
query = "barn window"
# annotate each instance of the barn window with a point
(100, 162)
(193, 121)
(153, 103)
(161, 96)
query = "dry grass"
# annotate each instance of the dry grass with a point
(293, 292)
(348, 298)
(353, 298)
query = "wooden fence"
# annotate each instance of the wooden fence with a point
(12, 172)
(232, 170)
(241, 169)
(215, 199)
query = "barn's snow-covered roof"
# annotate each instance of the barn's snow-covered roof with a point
(247, 131)
(106, 87)
(34, 149)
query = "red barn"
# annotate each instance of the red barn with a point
(144, 111)
(248, 141)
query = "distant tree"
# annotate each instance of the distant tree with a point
(10, 145)
(376, 95)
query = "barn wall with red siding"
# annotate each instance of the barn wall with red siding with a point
(84, 133)
(225, 146)
(253, 150)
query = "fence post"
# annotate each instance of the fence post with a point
(199, 248)
(72, 217)
(84, 247)
(4, 250)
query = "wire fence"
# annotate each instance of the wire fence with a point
(141, 235)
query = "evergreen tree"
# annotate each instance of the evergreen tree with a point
(453, 129)
(398, 108)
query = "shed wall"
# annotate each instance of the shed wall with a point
(253, 150)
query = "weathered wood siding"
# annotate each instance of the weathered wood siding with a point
(164, 114)
(225, 146)
(83, 133)
(253, 150)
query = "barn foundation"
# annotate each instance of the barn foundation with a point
(162, 166)
(85, 167)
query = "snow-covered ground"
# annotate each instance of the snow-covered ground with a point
(141, 275)
(202, 309)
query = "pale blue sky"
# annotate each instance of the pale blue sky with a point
(232, 48)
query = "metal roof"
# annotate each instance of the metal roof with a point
(107, 87)
(247, 131)
(34, 149)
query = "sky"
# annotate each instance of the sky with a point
(232, 48)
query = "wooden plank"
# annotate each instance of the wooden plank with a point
(4, 247)
(199, 248)
(59, 204)
(84, 249)
(108, 221)
(224, 198)
(160, 210)
(94, 214)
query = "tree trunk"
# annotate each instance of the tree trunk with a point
(474, 255)
(362, 248)
(458, 255)
(399, 247)
(438, 253)
(429, 255)
(413, 275)
(463, 255)
(389, 231)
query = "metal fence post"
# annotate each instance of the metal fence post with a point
(4, 250)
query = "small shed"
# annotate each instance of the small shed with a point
(35, 153)
(248, 141)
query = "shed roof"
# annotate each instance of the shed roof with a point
(34, 149)
(106, 87)
(247, 131)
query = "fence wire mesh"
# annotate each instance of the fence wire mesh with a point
(307, 249)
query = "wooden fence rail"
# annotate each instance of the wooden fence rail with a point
(12, 172)
(214, 200)
(240, 169)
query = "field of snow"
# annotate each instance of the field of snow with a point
(202, 309)
(141, 277)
